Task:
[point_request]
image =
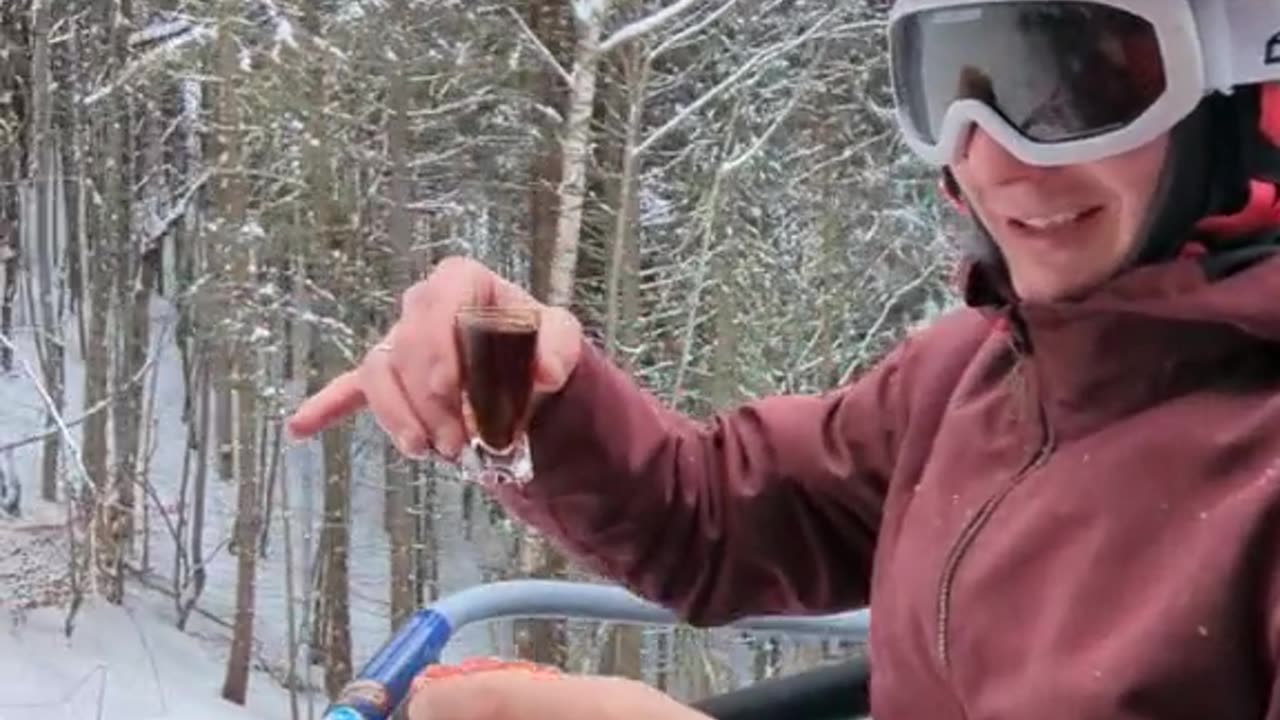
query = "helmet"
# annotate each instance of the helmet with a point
(1068, 81)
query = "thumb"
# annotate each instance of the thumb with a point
(559, 349)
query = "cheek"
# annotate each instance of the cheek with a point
(1134, 178)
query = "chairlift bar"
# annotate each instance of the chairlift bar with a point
(383, 683)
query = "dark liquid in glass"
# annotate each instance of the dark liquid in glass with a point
(497, 364)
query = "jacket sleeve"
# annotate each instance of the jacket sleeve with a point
(772, 507)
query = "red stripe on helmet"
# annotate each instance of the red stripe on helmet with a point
(1269, 122)
(1261, 212)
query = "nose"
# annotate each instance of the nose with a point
(991, 164)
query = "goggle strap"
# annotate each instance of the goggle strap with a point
(951, 191)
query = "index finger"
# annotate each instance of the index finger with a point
(335, 401)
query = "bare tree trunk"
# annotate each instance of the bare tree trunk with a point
(198, 444)
(134, 292)
(399, 525)
(542, 641)
(622, 291)
(333, 618)
(68, 119)
(10, 247)
(270, 444)
(551, 23)
(426, 563)
(318, 608)
(830, 310)
(319, 629)
(222, 409)
(236, 684)
(117, 503)
(286, 513)
(336, 587)
(13, 164)
(694, 304)
(146, 445)
(8, 275)
(43, 156)
(723, 379)
(243, 366)
(99, 264)
(14, 140)
(191, 336)
(223, 413)
(662, 659)
(575, 153)
(622, 652)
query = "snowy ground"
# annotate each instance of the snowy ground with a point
(33, 560)
(121, 663)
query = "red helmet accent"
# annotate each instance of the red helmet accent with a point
(1262, 210)
(1269, 120)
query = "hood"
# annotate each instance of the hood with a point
(1152, 333)
(1183, 290)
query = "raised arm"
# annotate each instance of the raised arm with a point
(770, 507)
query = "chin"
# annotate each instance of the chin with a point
(1049, 290)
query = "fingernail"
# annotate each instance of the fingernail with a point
(291, 436)
(449, 443)
(412, 445)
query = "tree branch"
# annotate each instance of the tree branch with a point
(542, 49)
(694, 29)
(646, 24)
(52, 407)
(68, 424)
(764, 55)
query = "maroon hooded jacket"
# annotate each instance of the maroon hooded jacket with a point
(1071, 511)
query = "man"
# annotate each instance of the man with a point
(1062, 501)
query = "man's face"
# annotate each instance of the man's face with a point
(1062, 230)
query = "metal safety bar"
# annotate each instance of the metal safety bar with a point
(382, 685)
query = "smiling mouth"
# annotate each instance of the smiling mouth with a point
(1057, 221)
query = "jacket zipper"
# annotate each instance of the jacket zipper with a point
(974, 526)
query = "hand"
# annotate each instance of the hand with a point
(494, 690)
(411, 380)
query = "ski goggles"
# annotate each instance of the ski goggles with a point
(1059, 82)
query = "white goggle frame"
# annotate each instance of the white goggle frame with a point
(1206, 46)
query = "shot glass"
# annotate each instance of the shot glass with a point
(496, 348)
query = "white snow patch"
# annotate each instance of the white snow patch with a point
(119, 665)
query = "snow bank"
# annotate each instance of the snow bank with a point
(119, 664)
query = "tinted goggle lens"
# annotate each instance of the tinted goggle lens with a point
(1055, 71)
